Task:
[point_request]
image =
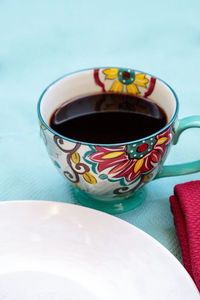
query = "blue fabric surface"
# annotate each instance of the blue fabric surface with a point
(42, 40)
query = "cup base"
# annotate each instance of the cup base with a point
(112, 206)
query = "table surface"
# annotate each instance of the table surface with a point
(42, 40)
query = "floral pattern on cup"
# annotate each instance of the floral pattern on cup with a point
(129, 162)
(73, 160)
(125, 81)
(129, 166)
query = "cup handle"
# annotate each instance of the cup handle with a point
(185, 168)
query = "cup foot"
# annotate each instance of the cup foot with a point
(112, 206)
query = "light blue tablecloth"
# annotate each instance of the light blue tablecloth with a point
(42, 40)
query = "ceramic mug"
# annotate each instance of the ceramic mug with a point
(111, 177)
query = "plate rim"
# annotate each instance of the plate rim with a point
(151, 239)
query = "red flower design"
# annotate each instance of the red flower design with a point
(123, 163)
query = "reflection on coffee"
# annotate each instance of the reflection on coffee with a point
(108, 118)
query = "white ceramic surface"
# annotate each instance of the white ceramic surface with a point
(62, 251)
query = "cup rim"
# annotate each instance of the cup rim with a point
(106, 145)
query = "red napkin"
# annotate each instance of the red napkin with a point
(185, 206)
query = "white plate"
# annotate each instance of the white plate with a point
(62, 251)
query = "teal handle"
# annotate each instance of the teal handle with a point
(185, 168)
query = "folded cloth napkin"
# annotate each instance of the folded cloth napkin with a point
(185, 206)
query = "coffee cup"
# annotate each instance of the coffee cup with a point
(112, 176)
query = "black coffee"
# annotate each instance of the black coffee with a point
(108, 118)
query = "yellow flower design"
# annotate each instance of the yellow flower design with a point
(126, 78)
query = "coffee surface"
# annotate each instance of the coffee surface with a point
(108, 118)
